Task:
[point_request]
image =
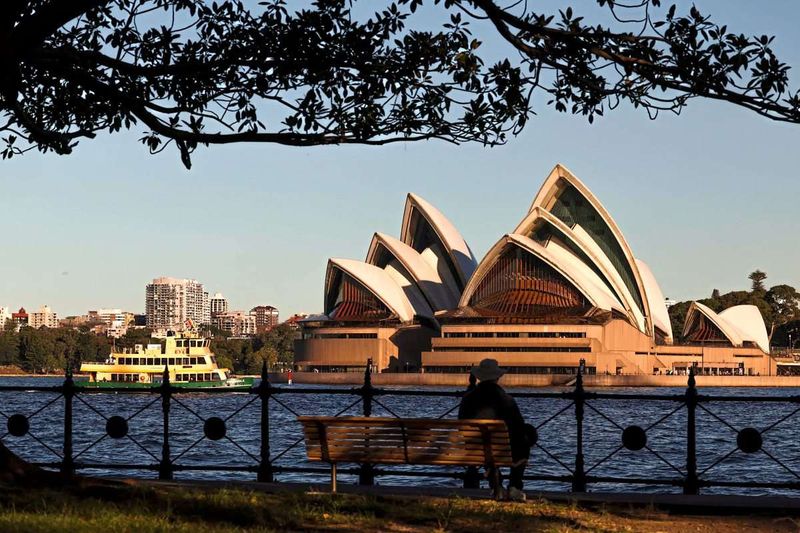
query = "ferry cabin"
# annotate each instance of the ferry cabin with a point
(187, 359)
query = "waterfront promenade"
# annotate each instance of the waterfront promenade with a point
(536, 380)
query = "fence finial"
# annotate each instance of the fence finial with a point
(692, 382)
(368, 373)
(264, 374)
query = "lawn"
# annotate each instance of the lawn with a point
(145, 508)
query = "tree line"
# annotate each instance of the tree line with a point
(779, 305)
(52, 350)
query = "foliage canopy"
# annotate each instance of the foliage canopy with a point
(193, 72)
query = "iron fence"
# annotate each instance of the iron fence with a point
(584, 412)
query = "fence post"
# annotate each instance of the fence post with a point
(579, 476)
(691, 484)
(165, 466)
(472, 477)
(68, 391)
(366, 473)
(265, 467)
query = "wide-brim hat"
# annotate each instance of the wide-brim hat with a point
(487, 370)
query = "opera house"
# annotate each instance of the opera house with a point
(563, 290)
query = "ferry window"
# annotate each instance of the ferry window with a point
(191, 377)
(213, 360)
(161, 361)
(113, 377)
(135, 378)
(186, 361)
(171, 361)
(193, 360)
(208, 377)
(149, 360)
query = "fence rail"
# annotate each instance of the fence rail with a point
(266, 465)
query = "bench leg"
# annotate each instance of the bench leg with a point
(333, 478)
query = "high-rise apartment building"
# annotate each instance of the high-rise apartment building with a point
(219, 304)
(172, 303)
(266, 317)
(43, 318)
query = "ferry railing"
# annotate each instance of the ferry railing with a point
(576, 412)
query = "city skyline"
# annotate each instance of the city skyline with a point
(87, 229)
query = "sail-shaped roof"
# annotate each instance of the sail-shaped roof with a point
(387, 252)
(702, 324)
(567, 268)
(748, 321)
(362, 286)
(543, 227)
(431, 234)
(566, 197)
(655, 297)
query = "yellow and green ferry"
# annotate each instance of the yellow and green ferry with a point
(187, 357)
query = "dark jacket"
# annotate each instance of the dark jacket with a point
(488, 400)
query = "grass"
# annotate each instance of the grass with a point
(149, 508)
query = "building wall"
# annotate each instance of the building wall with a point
(43, 318)
(392, 349)
(613, 348)
(267, 317)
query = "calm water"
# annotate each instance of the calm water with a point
(601, 434)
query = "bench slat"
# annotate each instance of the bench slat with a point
(383, 440)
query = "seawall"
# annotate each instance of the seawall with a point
(537, 380)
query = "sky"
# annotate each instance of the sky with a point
(704, 198)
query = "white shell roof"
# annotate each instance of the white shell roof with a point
(550, 188)
(450, 237)
(658, 308)
(379, 283)
(598, 296)
(748, 320)
(586, 244)
(730, 331)
(425, 276)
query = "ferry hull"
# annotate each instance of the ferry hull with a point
(242, 384)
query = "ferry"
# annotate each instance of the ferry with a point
(187, 357)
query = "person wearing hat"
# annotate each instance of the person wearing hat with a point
(488, 400)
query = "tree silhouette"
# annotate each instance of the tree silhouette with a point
(193, 72)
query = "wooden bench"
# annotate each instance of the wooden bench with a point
(414, 441)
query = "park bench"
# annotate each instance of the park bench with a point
(413, 441)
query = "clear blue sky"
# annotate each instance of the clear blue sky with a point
(704, 198)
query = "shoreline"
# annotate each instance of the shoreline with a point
(536, 380)
(509, 380)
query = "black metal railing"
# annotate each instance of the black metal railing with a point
(573, 416)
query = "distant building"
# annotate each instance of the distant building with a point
(295, 320)
(178, 304)
(73, 321)
(669, 302)
(266, 317)
(219, 304)
(237, 323)
(43, 318)
(20, 317)
(5, 315)
(115, 318)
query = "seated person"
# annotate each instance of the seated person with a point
(488, 400)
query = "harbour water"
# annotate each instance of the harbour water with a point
(664, 421)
